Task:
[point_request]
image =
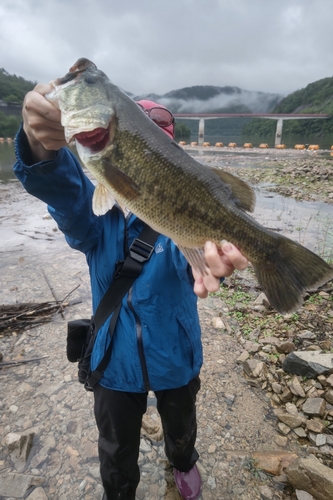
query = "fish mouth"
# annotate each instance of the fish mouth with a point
(95, 140)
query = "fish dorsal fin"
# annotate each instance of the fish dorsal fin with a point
(196, 258)
(242, 193)
(120, 182)
(102, 200)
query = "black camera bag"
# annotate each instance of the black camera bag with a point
(78, 334)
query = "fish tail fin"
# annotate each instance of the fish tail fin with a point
(292, 271)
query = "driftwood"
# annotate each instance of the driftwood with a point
(17, 317)
(21, 362)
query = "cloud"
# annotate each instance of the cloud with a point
(149, 46)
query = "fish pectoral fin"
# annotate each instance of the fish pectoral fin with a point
(196, 258)
(120, 182)
(242, 193)
(102, 200)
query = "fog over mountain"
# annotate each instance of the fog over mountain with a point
(211, 99)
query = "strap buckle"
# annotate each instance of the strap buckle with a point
(140, 250)
(92, 380)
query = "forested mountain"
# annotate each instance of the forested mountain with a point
(316, 97)
(13, 88)
(12, 91)
(213, 99)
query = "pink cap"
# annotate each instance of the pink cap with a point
(151, 104)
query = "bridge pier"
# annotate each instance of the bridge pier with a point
(201, 134)
(278, 131)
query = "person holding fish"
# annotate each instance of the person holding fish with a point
(170, 330)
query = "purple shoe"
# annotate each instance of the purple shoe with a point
(188, 483)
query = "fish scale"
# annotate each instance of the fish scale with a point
(141, 168)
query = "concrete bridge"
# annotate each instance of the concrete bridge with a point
(270, 116)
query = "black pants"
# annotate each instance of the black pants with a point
(118, 417)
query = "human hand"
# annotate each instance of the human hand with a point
(42, 125)
(221, 262)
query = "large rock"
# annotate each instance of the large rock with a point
(292, 421)
(273, 462)
(152, 425)
(254, 368)
(19, 447)
(308, 364)
(303, 495)
(314, 407)
(38, 494)
(310, 475)
(20, 444)
(296, 388)
(17, 485)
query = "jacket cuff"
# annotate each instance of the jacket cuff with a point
(24, 155)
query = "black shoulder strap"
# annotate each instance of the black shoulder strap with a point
(139, 252)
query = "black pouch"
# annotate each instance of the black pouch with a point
(78, 337)
(84, 370)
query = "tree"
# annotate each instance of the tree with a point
(11, 99)
(9, 125)
(182, 132)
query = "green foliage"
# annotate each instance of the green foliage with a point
(182, 132)
(317, 97)
(13, 88)
(261, 128)
(12, 91)
(9, 125)
(219, 127)
(305, 128)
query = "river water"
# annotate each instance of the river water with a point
(306, 222)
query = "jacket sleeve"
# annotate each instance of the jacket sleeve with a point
(62, 184)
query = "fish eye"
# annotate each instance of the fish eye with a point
(91, 79)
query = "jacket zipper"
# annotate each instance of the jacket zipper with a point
(138, 328)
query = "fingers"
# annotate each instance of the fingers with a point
(221, 263)
(43, 88)
(199, 287)
(232, 257)
(42, 120)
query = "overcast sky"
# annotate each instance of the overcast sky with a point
(146, 46)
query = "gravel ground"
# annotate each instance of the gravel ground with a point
(234, 417)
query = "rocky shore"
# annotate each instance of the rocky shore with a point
(265, 409)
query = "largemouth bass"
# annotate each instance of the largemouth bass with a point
(138, 165)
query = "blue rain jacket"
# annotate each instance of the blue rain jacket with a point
(158, 326)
